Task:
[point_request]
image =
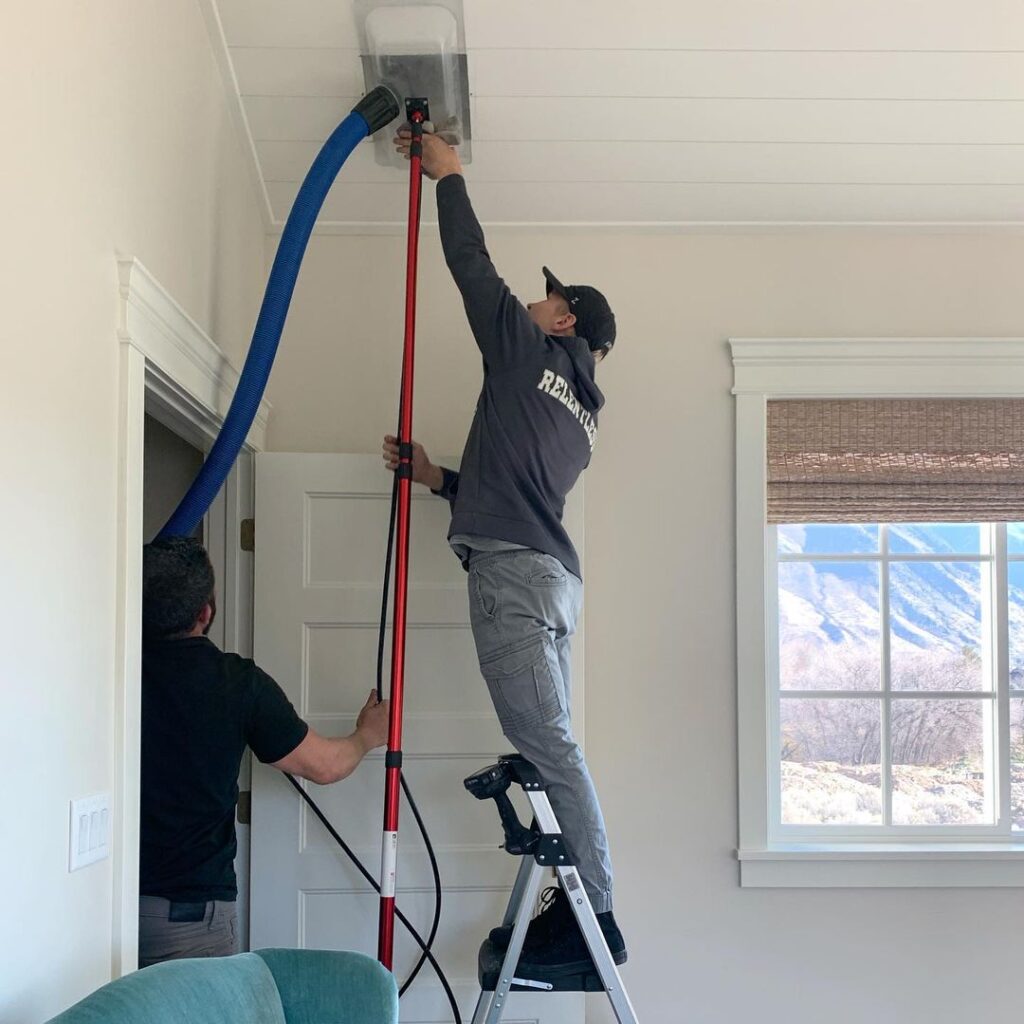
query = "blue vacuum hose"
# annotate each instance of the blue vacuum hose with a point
(373, 112)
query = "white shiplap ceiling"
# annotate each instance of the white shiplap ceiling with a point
(659, 112)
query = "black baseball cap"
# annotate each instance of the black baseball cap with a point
(595, 320)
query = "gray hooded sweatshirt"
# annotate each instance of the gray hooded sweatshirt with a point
(536, 419)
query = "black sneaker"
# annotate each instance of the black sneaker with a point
(563, 951)
(555, 913)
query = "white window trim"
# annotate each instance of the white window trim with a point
(778, 368)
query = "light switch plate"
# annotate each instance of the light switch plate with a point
(90, 831)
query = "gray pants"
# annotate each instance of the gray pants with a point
(160, 938)
(523, 608)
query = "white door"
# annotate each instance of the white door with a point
(321, 531)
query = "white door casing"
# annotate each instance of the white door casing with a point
(321, 527)
(170, 368)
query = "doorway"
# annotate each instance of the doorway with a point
(171, 371)
(173, 453)
(170, 464)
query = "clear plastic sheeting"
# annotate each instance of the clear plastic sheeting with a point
(417, 48)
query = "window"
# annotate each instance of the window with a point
(894, 644)
(880, 662)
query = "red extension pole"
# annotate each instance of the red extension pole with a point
(393, 760)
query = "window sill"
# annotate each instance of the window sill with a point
(883, 865)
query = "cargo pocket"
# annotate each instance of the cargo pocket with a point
(522, 686)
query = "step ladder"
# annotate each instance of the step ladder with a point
(541, 847)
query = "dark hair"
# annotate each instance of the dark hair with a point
(177, 581)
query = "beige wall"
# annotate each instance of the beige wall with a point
(661, 705)
(116, 138)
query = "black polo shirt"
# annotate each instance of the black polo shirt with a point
(200, 709)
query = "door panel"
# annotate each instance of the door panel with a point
(321, 527)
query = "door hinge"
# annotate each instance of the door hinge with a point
(247, 534)
(244, 812)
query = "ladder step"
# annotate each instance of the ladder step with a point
(489, 963)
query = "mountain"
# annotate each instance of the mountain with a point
(935, 606)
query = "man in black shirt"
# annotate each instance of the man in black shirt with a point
(201, 707)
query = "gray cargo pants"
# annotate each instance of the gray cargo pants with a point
(212, 932)
(523, 609)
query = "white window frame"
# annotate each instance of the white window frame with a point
(779, 368)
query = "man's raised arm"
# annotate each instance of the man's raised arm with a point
(499, 321)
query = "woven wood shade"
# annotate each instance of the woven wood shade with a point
(887, 460)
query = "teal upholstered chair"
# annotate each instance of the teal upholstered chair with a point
(271, 986)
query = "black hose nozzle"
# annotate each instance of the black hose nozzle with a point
(378, 107)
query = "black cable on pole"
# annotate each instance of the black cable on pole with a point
(424, 946)
(381, 636)
(386, 588)
(435, 924)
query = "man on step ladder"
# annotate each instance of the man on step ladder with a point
(532, 435)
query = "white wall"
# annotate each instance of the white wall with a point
(116, 138)
(661, 705)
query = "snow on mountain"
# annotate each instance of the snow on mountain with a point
(934, 605)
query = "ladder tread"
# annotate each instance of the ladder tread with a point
(491, 958)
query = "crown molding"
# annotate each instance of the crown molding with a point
(694, 227)
(184, 367)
